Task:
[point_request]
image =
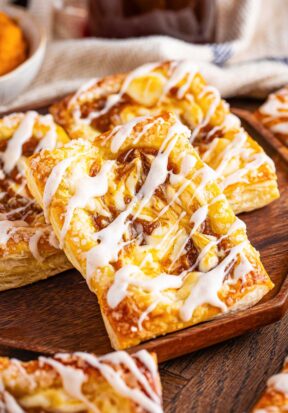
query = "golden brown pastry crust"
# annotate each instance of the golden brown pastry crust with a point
(274, 114)
(245, 172)
(82, 382)
(275, 397)
(29, 250)
(158, 260)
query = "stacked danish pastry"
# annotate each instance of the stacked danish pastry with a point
(136, 179)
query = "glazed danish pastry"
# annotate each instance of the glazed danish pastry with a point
(29, 250)
(275, 397)
(81, 382)
(244, 171)
(274, 114)
(140, 216)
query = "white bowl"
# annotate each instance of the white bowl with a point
(14, 82)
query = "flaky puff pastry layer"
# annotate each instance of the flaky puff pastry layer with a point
(275, 397)
(274, 114)
(245, 172)
(82, 382)
(141, 217)
(29, 250)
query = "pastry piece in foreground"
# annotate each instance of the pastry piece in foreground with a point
(244, 171)
(274, 114)
(81, 382)
(275, 397)
(141, 217)
(29, 250)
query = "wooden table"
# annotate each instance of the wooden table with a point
(226, 378)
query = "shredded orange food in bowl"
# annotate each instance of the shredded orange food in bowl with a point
(13, 47)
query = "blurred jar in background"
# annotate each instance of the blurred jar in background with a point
(70, 18)
(189, 20)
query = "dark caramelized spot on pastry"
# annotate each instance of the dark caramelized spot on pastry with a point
(127, 199)
(110, 118)
(148, 227)
(92, 106)
(100, 221)
(191, 253)
(95, 168)
(16, 176)
(17, 207)
(204, 136)
(3, 144)
(128, 156)
(224, 245)
(184, 262)
(29, 146)
(206, 229)
(160, 193)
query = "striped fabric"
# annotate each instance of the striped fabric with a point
(249, 56)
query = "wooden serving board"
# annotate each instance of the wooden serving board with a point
(61, 314)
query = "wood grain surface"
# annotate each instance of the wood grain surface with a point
(224, 378)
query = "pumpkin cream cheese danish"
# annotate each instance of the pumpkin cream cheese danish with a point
(244, 172)
(81, 382)
(140, 215)
(274, 114)
(29, 250)
(275, 397)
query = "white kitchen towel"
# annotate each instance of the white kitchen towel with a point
(249, 57)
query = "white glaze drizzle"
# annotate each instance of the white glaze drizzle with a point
(188, 162)
(258, 159)
(242, 269)
(50, 139)
(146, 128)
(122, 132)
(151, 404)
(145, 357)
(53, 183)
(210, 112)
(231, 150)
(205, 291)
(7, 228)
(53, 241)
(72, 379)
(183, 68)
(87, 85)
(24, 373)
(127, 275)
(274, 108)
(11, 404)
(197, 218)
(33, 244)
(86, 188)
(12, 157)
(13, 150)
(109, 246)
(158, 172)
(146, 313)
